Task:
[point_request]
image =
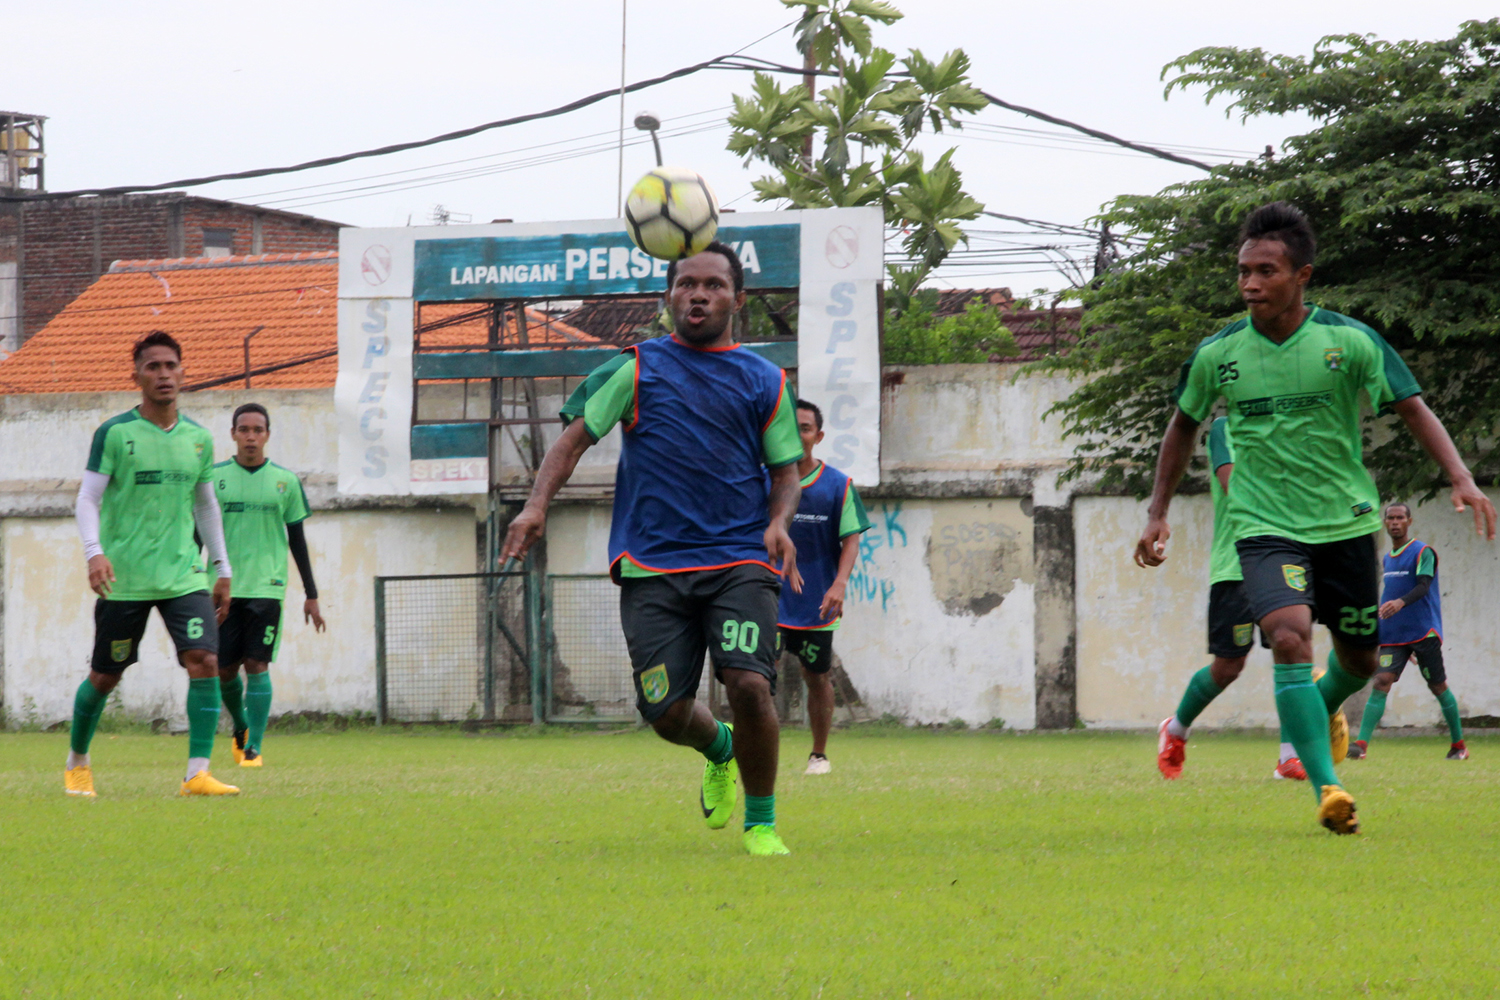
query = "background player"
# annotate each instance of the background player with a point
(697, 530)
(1411, 623)
(147, 483)
(264, 507)
(826, 530)
(1303, 503)
(1231, 626)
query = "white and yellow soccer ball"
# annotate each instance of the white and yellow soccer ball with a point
(672, 213)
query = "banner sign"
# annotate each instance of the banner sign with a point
(577, 265)
(833, 257)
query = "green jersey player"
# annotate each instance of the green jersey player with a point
(264, 506)
(145, 488)
(1303, 507)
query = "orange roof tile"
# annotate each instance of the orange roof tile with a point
(209, 304)
(466, 324)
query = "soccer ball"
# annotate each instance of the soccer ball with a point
(672, 213)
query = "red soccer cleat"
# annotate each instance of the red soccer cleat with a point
(1358, 750)
(1291, 768)
(1458, 751)
(1170, 752)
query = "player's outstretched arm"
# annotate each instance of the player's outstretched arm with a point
(1171, 463)
(557, 467)
(86, 511)
(1433, 437)
(786, 494)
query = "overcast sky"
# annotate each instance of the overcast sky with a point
(139, 93)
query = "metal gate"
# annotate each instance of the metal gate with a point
(588, 666)
(457, 648)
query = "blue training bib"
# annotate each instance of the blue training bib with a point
(1420, 618)
(815, 533)
(691, 490)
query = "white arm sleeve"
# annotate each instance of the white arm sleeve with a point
(211, 529)
(90, 498)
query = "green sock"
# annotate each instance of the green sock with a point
(721, 750)
(203, 715)
(1200, 691)
(1374, 709)
(760, 810)
(232, 690)
(1338, 684)
(88, 705)
(257, 707)
(1305, 718)
(1450, 713)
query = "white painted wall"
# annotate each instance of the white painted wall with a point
(938, 620)
(48, 634)
(1142, 633)
(922, 639)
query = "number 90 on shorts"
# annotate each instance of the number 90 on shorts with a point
(672, 621)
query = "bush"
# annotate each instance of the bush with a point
(917, 336)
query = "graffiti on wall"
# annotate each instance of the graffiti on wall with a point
(871, 582)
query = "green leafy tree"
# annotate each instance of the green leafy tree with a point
(852, 143)
(918, 337)
(1401, 179)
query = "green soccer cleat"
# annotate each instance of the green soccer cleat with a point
(763, 841)
(719, 793)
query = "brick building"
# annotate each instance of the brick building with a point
(50, 251)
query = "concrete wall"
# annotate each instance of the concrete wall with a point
(982, 592)
(48, 626)
(939, 614)
(1142, 633)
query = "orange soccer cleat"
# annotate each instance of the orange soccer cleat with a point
(1291, 768)
(1170, 752)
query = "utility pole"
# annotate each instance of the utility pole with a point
(810, 81)
(620, 172)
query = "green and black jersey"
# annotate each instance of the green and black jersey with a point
(1224, 563)
(1294, 418)
(146, 518)
(257, 505)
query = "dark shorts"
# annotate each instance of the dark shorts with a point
(1340, 581)
(119, 625)
(814, 647)
(252, 631)
(1429, 654)
(671, 620)
(1231, 626)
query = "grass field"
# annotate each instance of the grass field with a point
(442, 864)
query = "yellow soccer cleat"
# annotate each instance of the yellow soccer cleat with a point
(204, 783)
(251, 758)
(237, 746)
(1338, 736)
(1336, 810)
(79, 781)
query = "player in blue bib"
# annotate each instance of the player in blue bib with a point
(826, 531)
(699, 539)
(1411, 624)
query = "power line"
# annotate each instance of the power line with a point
(399, 147)
(732, 61)
(348, 194)
(749, 62)
(466, 159)
(1105, 136)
